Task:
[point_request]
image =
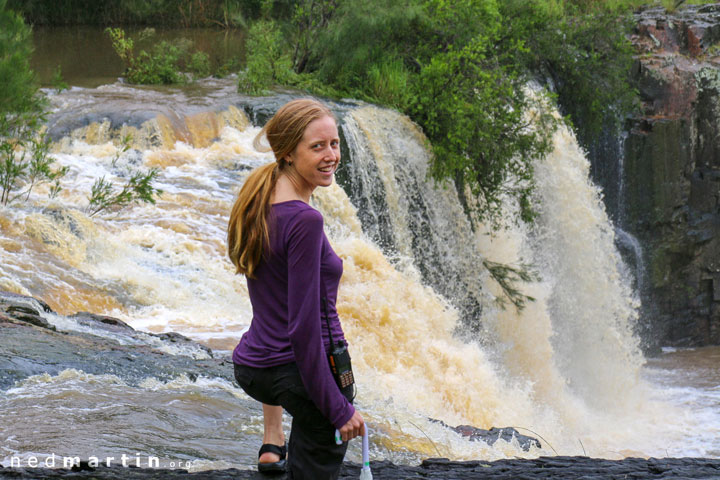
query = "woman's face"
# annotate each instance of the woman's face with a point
(316, 157)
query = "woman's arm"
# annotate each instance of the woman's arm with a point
(304, 243)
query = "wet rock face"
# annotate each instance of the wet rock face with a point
(31, 345)
(671, 197)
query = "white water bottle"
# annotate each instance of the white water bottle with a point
(365, 473)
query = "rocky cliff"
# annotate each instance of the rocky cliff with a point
(669, 178)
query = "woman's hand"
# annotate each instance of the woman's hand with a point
(354, 427)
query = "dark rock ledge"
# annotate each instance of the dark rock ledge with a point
(437, 468)
(30, 345)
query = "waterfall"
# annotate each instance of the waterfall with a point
(427, 227)
(566, 367)
(572, 349)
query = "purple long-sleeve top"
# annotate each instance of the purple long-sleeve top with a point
(288, 322)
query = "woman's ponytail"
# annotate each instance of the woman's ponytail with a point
(247, 229)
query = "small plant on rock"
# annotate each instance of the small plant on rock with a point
(105, 195)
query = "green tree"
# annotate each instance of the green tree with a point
(461, 70)
(24, 160)
(268, 63)
(584, 48)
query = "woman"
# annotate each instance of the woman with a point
(277, 241)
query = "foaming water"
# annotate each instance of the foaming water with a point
(78, 414)
(567, 367)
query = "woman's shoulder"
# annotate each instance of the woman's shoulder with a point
(297, 212)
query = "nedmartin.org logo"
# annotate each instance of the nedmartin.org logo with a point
(58, 461)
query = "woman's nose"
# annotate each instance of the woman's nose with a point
(333, 153)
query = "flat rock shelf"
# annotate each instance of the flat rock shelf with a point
(437, 468)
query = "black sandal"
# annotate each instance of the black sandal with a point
(272, 467)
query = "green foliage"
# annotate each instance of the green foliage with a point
(266, 62)
(166, 63)
(460, 69)
(456, 69)
(589, 58)
(58, 82)
(199, 64)
(159, 66)
(106, 196)
(507, 277)
(24, 160)
(389, 83)
(125, 144)
(474, 116)
(269, 62)
(26, 165)
(470, 99)
(20, 104)
(122, 45)
(367, 41)
(138, 189)
(309, 18)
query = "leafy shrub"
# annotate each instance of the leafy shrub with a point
(389, 83)
(199, 64)
(58, 82)
(164, 64)
(267, 61)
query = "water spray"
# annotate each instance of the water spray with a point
(365, 473)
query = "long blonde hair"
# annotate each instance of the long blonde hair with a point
(248, 236)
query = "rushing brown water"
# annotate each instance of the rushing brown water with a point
(699, 366)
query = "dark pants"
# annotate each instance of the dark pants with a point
(312, 451)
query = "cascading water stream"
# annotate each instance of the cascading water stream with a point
(626, 240)
(567, 366)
